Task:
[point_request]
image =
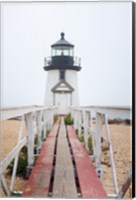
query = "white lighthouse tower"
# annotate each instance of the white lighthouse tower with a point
(62, 81)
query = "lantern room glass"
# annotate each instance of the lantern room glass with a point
(62, 51)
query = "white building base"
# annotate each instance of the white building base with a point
(62, 94)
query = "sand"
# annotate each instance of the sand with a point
(121, 136)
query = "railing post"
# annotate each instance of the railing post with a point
(79, 122)
(30, 137)
(125, 185)
(45, 125)
(3, 183)
(99, 122)
(48, 119)
(17, 156)
(85, 124)
(75, 120)
(39, 128)
(111, 156)
(51, 116)
(92, 133)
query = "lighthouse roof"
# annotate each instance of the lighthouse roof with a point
(62, 42)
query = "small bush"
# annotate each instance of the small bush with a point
(55, 118)
(22, 163)
(90, 145)
(81, 137)
(68, 120)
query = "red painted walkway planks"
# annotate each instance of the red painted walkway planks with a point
(39, 181)
(90, 184)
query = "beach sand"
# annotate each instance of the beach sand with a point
(121, 136)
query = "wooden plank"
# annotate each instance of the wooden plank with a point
(64, 182)
(39, 181)
(90, 184)
(38, 184)
(54, 130)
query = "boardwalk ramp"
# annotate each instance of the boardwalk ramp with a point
(63, 168)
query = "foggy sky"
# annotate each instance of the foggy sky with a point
(101, 33)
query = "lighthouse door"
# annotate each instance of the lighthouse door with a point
(62, 96)
(62, 100)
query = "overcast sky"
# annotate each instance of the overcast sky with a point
(101, 33)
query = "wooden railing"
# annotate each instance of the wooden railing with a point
(84, 118)
(38, 120)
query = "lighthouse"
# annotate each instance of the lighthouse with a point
(62, 80)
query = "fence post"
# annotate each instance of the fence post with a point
(17, 157)
(79, 122)
(47, 121)
(39, 128)
(45, 125)
(99, 122)
(75, 119)
(91, 128)
(111, 156)
(85, 124)
(3, 183)
(30, 137)
(126, 185)
(52, 114)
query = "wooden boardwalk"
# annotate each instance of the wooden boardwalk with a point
(63, 168)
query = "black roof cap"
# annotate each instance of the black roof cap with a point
(62, 42)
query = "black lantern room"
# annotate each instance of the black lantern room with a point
(62, 56)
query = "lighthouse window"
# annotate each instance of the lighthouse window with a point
(62, 75)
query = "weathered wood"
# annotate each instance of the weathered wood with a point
(29, 126)
(90, 184)
(125, 185)
(4, 185)
(39, 128)
(45, 125)
(17, 156)
(39, 181)
(98, 134)
(64, 182)
(11, 112)
(111, 156)
(12, 155)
